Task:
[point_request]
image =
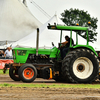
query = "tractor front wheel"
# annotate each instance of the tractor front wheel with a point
(13, 73)
(27, 73)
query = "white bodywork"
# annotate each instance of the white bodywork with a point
(16, 21)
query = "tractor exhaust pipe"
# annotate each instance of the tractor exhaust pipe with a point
(37, 42)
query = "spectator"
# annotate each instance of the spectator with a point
(8, 52)
(1, 53)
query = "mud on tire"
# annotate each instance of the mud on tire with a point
(80, 66)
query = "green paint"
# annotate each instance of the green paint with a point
(21, 54)
(23, 58)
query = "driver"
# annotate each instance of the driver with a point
(65, 46)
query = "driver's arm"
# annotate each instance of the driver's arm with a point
(64, 43)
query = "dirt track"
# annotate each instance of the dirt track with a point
(18, 93)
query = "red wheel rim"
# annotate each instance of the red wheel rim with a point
(28, 73)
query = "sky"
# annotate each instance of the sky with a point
(58, 6)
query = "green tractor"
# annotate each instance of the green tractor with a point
(80, 65)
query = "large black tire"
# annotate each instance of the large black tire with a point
(61, 79)
(13, 73)
(27, 73)
(80, 66)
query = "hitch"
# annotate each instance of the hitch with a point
(6, 67)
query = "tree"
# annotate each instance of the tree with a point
(73, 16)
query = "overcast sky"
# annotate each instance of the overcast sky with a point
(58, 6)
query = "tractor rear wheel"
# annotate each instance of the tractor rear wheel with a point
(27, 73)
(13, 73)
(80, 66)
(61, 79)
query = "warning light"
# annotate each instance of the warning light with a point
(77, 24)
(89, 23)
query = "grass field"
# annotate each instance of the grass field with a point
(93, 86)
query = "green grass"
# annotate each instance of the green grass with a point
(1, 72)
(96, 86)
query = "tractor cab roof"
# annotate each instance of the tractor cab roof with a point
(73, 28)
